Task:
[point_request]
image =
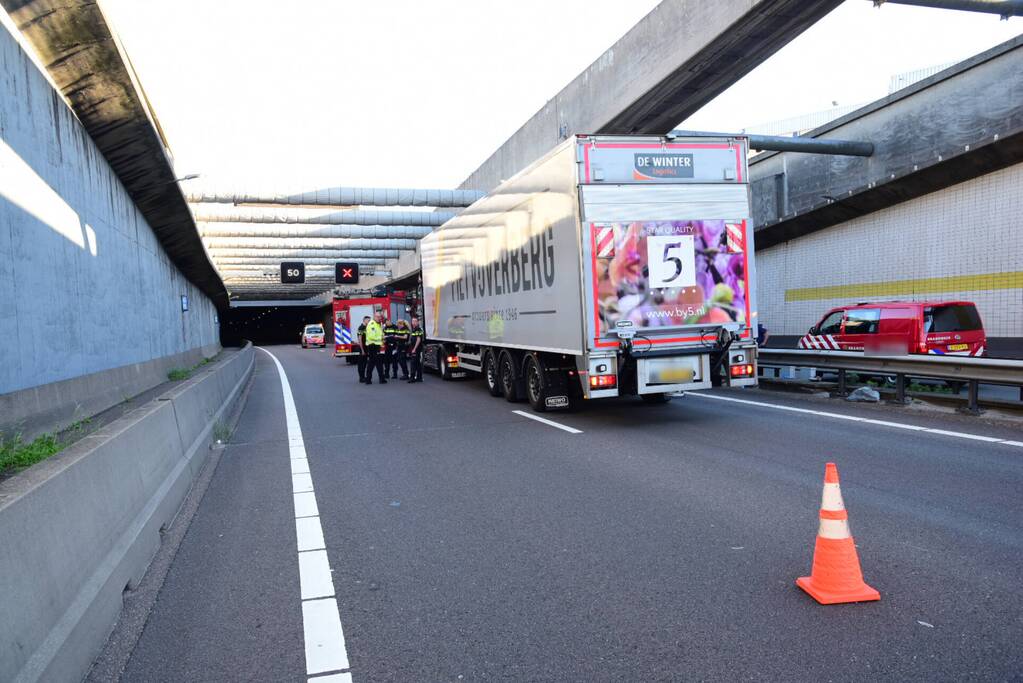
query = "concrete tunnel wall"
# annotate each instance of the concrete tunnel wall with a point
(85, 286)
(963, 242)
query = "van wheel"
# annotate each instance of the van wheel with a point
(507, 374)
(655, 398)
(490, 373)
(536, 385)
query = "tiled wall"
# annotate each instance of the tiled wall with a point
(972, 229)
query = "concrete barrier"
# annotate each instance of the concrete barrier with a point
(52, 407)
(79, 528)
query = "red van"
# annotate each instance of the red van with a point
(894, 327)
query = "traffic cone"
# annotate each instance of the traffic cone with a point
(836, 575)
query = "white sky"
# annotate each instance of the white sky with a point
(415, 93)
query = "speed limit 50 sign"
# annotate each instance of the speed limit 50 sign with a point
(292, 272)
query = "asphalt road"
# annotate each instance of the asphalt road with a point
(469, 543)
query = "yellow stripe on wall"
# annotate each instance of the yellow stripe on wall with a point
(926, 285)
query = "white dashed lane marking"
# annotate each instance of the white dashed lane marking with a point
(855, 418)
(321, 622)
(552, 423)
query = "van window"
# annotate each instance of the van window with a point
(862, 320)
(314, 329)
(832, 324)
(953, 318)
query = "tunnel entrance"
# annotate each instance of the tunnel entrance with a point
(264, 325)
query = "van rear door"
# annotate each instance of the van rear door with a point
(954, 329)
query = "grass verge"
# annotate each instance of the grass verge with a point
(16, 455)
(177, 374)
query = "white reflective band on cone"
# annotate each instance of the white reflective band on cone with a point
(834, 528)
(831, 499)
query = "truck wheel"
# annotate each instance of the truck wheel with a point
(655, 398)
(507, 374)
(536, 386)
(490, 374)
(442, 363)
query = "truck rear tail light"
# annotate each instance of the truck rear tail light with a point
(603, 381)
(741, 370)
(453, 361)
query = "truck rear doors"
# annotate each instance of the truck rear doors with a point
(666, 243)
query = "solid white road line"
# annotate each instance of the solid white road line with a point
(314, 575)
(309, 533)
(305, 505)
(321, 622)
(855, 418)
(552, 423)
(324, 642)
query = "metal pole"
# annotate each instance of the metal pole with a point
(1003, 8)
(777, 143)
(841, 383)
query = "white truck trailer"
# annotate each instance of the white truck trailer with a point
(614, 265)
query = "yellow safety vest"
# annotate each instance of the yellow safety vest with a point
(374, 334)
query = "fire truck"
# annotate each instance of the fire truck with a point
(347, 312)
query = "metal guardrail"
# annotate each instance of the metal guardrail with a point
(967, 369)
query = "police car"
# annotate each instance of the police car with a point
(312, 335)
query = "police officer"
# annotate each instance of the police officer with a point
(374, 343)
(390, 359)
(401, 349)
(361, 337)
(416, 339)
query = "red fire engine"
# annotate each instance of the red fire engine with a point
(348, 313)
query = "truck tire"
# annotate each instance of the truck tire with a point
(506, 371)
(442, 363)
(491, 375)
(655, 398)
(536, 384)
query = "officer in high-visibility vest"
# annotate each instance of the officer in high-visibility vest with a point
(390, 350)
(416, 339)
(374, 343)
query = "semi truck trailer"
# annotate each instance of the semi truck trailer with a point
(614, 265)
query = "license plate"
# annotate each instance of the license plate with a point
(556, 401)
(958, 347)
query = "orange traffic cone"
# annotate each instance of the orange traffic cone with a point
(836, 575)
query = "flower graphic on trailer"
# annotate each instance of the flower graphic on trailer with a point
(624, 291)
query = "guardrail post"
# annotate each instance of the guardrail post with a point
(972, 400)
(900, 390)
(841, 383)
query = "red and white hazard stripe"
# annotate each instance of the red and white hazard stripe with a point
(820, 342)
(735, 239)
(606, 242)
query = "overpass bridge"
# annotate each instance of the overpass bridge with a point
(264, 516)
